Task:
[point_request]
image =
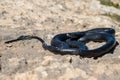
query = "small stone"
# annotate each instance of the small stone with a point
(44, 74)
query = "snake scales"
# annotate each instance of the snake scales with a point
(74, 43)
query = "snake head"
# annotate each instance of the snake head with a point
(110, 31)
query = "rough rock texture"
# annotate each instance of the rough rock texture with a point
(27, 60)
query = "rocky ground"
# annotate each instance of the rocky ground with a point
(27, 60)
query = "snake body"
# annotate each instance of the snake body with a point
(73, 43)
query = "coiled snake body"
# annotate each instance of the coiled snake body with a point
(74, 43)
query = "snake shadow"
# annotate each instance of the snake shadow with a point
(109, 52)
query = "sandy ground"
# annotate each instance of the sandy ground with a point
(27, 60)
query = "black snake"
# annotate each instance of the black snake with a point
(73, 43)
